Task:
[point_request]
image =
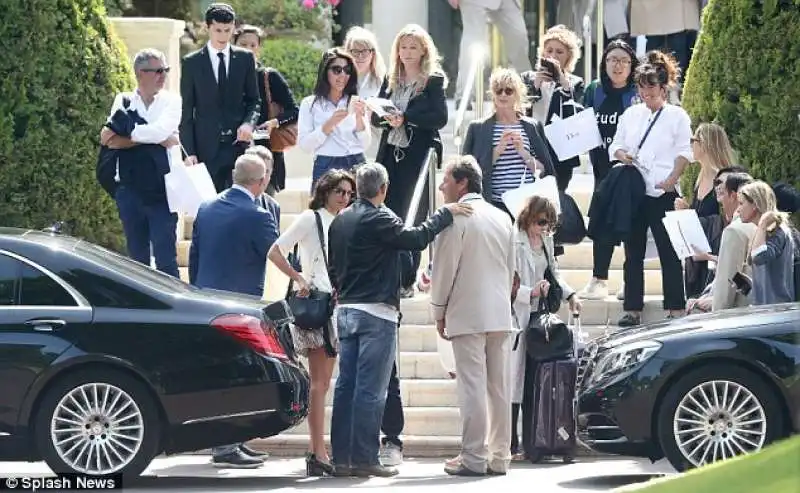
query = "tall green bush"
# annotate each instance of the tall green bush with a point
(296, 60)
(745, 75)
(61, 67)
(279, 17)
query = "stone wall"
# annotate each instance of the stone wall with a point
(162, 34)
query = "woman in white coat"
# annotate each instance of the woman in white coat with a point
(534, 251)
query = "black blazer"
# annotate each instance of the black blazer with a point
(558, 105)
(281, 94)
(426, 114)
(206, 115)
(479, 143)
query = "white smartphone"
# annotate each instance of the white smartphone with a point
(351, 108)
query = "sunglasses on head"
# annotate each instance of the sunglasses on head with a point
(507, 90)
(159, 71)
(338, 69)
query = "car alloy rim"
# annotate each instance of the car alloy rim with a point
(97, 428)
(718, 420)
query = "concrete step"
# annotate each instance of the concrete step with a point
(580, 256)
(578, 278)
(287, 218)
(414, 446)
(416, 310)
(420, 421)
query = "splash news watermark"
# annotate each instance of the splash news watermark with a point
(61, 482)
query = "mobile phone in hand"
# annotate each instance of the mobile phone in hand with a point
(742, 283)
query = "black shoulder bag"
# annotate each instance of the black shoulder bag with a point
(313, 311)
(547, 337)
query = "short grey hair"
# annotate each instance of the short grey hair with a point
(262, 152)
(249, 170)
(467, 168)
(144, 56)
(370, 177)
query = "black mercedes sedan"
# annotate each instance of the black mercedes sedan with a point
(697, 390)
(106, 363)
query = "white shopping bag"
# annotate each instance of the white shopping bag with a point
(187, 187)
(446, 355)
(575, 135)
(516, 199)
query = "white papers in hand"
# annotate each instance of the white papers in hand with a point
(381, 106)
(686, 233)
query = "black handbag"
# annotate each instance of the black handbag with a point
(547, 337)
(571, 228)
(313, 311)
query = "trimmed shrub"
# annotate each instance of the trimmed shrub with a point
(280, 17)
(63, 66)
(745, 75)
(296, 60)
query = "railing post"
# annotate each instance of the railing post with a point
(479, 88)
(432, 168)
(599, 34)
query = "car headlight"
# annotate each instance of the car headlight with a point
(624, 358)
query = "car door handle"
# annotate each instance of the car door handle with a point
(46, 325)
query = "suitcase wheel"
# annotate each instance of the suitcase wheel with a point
(568, 459)
(535, 458)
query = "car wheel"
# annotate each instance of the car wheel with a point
(717, 412)
(97, 422)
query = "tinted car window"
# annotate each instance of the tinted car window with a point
(39, 289)
(9, 270)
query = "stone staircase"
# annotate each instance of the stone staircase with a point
(432, 424)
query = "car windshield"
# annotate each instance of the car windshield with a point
(132, 269)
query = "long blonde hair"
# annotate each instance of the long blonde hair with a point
(359, 36)
(429, 64)
(761, 195)
(716, 146)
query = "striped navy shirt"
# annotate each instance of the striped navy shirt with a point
(509, 168)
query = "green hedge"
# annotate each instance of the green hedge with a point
(296, 60)
(745, 75)
(63, 66)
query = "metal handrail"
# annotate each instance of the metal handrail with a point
(587, 38)
(427, 174)
(474, 81)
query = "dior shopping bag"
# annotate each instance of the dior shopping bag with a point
(573, 136)
(516, 199)
(187, 186)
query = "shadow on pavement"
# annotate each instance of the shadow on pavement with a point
(605, 483)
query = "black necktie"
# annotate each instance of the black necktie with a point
(222, 74)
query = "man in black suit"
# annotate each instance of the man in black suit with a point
(220, 99)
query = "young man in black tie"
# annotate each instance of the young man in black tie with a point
(220, 99)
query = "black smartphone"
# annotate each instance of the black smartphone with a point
(546, 66)
(742, 283)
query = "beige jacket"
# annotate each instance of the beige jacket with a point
(659, 17)
(734, 247)
(473, 269)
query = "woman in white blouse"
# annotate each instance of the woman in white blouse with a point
(654, 136)
(332, 125)
(332, 193)
(371, 69)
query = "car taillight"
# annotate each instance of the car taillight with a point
(252, 331)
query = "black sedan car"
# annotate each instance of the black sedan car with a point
(696, 390)
(106, 363)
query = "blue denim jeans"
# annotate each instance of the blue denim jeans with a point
(366, 354)
(145, 225)
(323, 164)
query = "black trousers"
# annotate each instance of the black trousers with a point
(601, 252)
(393, 418)
(221, 167)
(680, 44)
(650, 215)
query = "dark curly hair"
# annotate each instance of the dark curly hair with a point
(326, 184)
(536, 207)
(657, 69)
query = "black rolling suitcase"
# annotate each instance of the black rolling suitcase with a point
(548, 410)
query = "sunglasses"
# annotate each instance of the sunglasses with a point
(501, 90)
(361, 53)
(717, 182)
(338, 69)
(159, 71)
(341, 192)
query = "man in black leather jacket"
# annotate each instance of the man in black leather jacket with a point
(365, 241)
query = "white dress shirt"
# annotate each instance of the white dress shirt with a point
(345, 140)
(669, 138)
(163, 115)
(212, 54)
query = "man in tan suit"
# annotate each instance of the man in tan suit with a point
(473, 271)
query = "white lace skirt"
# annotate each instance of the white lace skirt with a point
(307, 340)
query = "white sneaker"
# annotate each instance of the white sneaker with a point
(597, 289)
(390, 455)
(621, 292)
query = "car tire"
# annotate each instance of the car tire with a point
(130, 418)
(764, 418)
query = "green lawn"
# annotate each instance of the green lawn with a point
(775, 469)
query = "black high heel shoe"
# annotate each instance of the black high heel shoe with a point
(315, 467)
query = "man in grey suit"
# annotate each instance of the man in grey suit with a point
(507, 15)
(473, 273)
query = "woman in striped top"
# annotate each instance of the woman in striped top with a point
(508, 145)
